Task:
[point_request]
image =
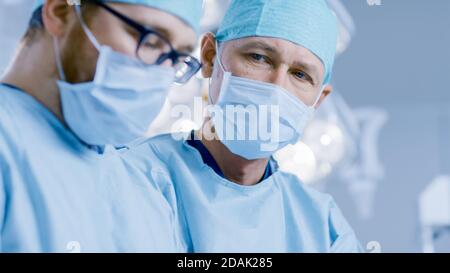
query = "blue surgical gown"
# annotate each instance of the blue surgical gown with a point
(57, 195)
(279, 214)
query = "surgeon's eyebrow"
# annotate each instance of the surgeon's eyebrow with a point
(260, 45)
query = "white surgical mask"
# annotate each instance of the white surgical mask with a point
(121, 102)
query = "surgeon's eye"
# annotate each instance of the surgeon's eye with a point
(258, 58)
(300, 75)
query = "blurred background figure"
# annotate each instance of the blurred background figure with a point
(380, 144)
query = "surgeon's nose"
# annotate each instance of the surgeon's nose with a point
(279, 77)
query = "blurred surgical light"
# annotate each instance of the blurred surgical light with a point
(345, 23)
(214, 12)
(298, 159)
(326, 140)
(312, 159)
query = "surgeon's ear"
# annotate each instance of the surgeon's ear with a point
(56, 15)
(208, 53)
(326, 91)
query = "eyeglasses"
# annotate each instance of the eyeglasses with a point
(154, 48)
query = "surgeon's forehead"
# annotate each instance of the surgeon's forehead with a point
(171, 27)
(290, 52)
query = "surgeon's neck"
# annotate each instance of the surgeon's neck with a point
(234, 168)
(33, 70)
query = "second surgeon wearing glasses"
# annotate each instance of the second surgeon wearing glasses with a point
(86, 81)
(129, 87)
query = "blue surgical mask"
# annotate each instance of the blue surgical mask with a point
(121, 102)
(285, 116)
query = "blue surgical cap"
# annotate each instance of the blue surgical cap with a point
(190, 11)
(308, 23)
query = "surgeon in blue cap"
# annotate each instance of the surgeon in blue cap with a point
(270, 63)
(88, 79)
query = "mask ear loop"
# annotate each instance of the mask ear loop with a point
(318, 97)
(59, 65)
(88, 33)
(57, 50)
(219, 57)
(209, 92)
(219, 61)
